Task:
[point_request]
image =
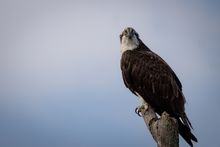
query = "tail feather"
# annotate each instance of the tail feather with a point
(185, 132)
(186, 121)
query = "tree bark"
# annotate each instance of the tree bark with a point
(164, 130)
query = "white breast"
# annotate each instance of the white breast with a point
(129, 44)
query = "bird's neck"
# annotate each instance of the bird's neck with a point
(131, 45)
(128, 44)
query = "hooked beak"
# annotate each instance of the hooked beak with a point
(129, 35)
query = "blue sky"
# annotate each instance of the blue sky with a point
(61, 82)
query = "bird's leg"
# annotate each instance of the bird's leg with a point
(143, 105)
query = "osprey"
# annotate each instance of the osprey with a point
(149, 77)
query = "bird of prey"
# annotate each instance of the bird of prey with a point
(149, 77)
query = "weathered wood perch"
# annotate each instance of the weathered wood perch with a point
(164, 130)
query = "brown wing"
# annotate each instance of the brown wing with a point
(146, 73)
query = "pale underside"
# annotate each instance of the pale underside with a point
(129, 44)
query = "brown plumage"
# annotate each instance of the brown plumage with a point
(146, 73)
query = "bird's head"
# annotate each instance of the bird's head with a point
(129, 39)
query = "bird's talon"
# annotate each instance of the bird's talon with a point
(138, 111)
